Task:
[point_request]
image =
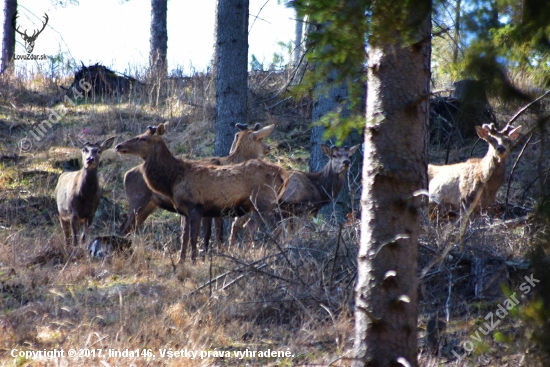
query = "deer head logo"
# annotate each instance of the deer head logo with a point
(29, 40)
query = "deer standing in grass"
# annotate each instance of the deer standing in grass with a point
(473, 184)
(199, 190)
(248, 144)
(78, 193)
(308, 192)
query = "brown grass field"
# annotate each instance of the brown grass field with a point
(282, 300)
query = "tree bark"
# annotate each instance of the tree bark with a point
(298, 48)
(328, 96)
(394, 169)
(8, 41)
(231, 71)
(456, 45)
(159, 37)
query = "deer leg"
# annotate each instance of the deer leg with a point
(206, 224)
(127, 226)
(75, 226)
(136, 217)
(194, 228)
(234, 229)
(250, 228)
(87, 224)
(184, 238)
(218, 226)
(65, 225)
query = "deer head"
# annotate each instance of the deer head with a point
(29, 40)
(91, 151)
(340, 158)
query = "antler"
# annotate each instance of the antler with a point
(13, 23)
(35, 34)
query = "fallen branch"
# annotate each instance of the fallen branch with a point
(239, 269)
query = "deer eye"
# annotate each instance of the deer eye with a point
(85, 150)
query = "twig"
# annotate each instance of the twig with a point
(531, 183)
(210, 274)
(257, 269)
(335, 256)
(447, 303)
(280, 248)
(512, 174)
(472, 150)
(443, 255)
(257, 16)
(239, 278)
(523, 109)
(239, 269)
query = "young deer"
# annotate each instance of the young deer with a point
(78, 193)
(308, 192)
(199, 190)
(473, 184)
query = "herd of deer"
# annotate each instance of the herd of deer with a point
(243, 185)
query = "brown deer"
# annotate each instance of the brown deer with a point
(306, 192)
(473, 184)
(78, 193)
(199, 190)
(248, 144)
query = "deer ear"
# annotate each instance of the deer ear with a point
(107, 143)
(514, 133)
(260, 134)
(489, 127)
(483, 132)
(326, 150)
(353, 149)
(161, 129)
(77, 143)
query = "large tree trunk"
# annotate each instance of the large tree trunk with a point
(232, 72)
(8, 41)
(159, 36)
(394, 169)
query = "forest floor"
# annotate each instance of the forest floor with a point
(278, 301)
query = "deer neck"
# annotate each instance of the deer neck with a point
(239, 156)
(328, 181)
(160, 169)
(88, 183)
(490, 163)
